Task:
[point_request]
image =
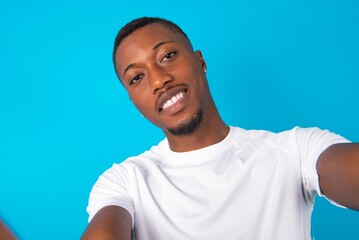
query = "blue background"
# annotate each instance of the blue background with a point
(64, 117)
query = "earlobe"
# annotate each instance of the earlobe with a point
(201, 59)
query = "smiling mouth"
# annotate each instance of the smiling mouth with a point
(171, 101)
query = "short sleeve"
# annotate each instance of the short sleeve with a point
(111, 189)
(311, 142)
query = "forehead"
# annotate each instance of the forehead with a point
(144, 39)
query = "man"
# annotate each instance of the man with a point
(5, 232)
(207, 180)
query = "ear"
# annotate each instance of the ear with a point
(201, 60)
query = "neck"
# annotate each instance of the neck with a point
(210, 131)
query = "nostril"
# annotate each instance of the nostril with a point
(166, 82)
(163, 87)
(156, 90)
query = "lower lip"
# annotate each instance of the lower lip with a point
(176, 107)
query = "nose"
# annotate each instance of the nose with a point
(159, 79)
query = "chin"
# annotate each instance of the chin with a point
(187, 126)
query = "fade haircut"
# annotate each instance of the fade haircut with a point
(138, 23)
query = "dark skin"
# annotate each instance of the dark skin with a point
(6, 233)
(155, 64)
(338, 170)
(111, 222)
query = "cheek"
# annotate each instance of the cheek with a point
(143, 104)
(190, 67)
(140, 105)
(147, 111)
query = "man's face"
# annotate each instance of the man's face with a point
(164, 78)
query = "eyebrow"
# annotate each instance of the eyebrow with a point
(154, 48)
(128, 68)
(161, 43)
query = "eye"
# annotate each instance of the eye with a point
(136, 79)
(168, 56)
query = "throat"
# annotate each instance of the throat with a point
(197, 133)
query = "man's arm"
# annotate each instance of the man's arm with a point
(338, 170)
(5, 232)
(111, 222)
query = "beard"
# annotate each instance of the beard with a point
(187, 126)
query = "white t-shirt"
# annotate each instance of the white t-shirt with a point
(252, 185)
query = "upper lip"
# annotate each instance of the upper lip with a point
(167, 94)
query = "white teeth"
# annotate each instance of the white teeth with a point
(173, 100)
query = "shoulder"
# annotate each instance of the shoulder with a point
(295, 140)
(297, 132)
(255, 136)
(141, 162)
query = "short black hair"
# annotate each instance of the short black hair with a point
(138, 23)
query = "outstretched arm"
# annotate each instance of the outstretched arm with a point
(5, 232)
(111, 222)
(338, 170)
